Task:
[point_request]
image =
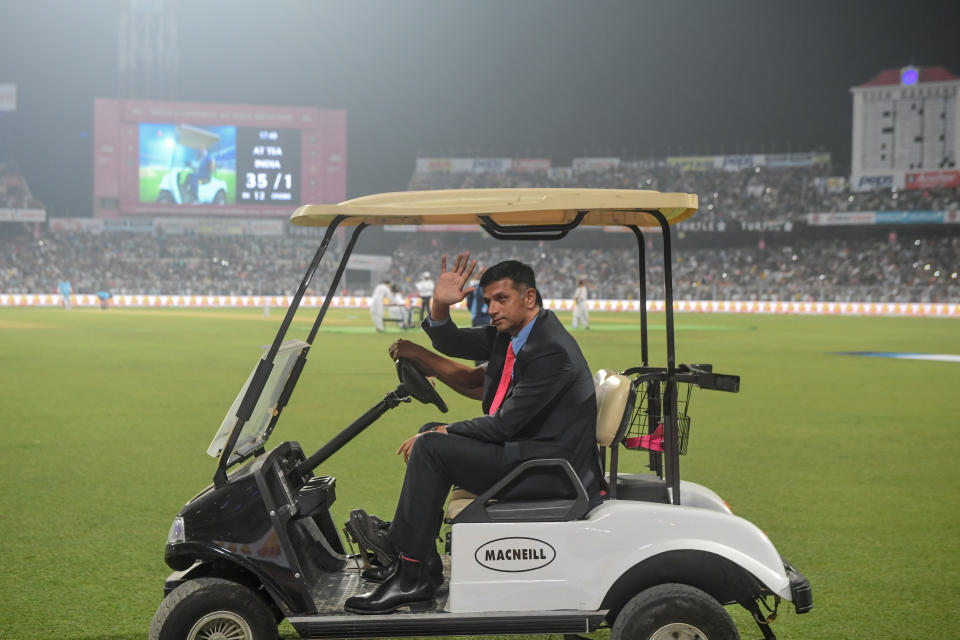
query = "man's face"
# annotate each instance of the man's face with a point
(510, 307)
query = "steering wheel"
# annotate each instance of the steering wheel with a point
(416, 384)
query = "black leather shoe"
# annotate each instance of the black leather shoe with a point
(411, 586)
(370, 532)
(381, 573)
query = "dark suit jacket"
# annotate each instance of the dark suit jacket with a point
(550, 410)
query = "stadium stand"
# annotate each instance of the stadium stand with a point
(800, 269)
(727, 261)
(750, 195)
(14, 190)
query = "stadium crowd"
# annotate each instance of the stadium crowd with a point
(804, 269)
(905, 269)
(810, 265)
(757, 194)
(138, 263)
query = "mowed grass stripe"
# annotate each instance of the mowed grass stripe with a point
(848, 464)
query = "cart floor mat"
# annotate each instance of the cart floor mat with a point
(332, 589)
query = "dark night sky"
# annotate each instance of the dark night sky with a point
(479, 78)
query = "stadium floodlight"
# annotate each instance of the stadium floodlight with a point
(909, 76)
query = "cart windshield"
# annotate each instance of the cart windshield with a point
(257, 429)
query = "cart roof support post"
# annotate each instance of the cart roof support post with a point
(671, 448)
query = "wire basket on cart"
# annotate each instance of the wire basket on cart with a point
(645, 433)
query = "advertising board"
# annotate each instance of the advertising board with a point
(594, 164)
(23, 215)
(875, 182)
(932, 180)
(531, 164)
(693, 163)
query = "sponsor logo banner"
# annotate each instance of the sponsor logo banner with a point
(88, 225)
(909, 217)
(951, 217)
(531, 164)
(23, 215)
(137, 225)
(411, 228)
(830, 184)
(594, 164)
(874, 182)
(646, 230)
(433, 165)
(821, 157)
(840, 219)
(790, 159)
(766, 225)
(513, 555)
(932, 180)
(220, 226)
(693, 163)
(940, 310)
(880, 217)
(491, 165)
(702, 225)
(736, 163)
(366, 262)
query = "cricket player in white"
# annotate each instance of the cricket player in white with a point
(580, 315)
(380, 292)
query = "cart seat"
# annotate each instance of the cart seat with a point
(614, 406)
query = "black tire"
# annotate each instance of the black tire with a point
(165, 197)
(197, 608)
(221, 198)
(673, 612)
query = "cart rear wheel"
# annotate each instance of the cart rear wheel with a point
(673, 612)
(213, 609)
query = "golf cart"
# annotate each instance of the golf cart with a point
(657, 559)
(179, 186)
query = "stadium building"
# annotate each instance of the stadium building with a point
(905, 132)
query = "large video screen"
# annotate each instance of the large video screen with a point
(188, 165)
(208, 159)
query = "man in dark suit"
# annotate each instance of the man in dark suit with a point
(539, 402)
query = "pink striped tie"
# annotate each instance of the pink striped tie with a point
(504, 381)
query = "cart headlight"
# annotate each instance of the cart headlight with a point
(177, 532)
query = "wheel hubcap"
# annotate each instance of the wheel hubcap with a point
(221, 625)
(678, 631)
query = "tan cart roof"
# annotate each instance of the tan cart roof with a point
(195, 137)
(604, 207)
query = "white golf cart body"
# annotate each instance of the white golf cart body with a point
(573, 565)
(534, 566)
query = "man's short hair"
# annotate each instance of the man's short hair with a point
(521, 275)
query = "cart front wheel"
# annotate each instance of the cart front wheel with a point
(213, 609)
(673, 612)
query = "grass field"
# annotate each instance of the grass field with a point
(849, 464)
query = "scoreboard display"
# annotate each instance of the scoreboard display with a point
(177, 158)
(268, 166)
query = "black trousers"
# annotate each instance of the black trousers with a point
(437, 462)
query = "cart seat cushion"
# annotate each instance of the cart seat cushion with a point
(613, 391)
(458, 501)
